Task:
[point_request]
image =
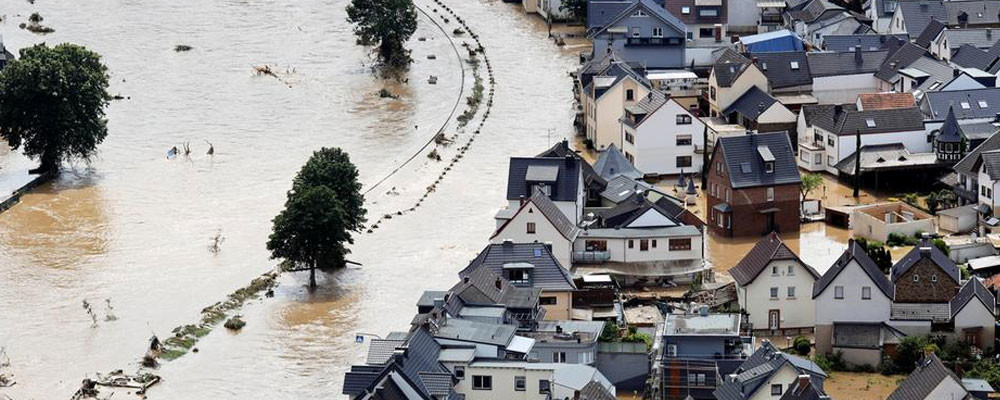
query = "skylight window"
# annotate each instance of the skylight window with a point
(795, 65)
(982, 104)
(763, 66)
(965, 105)
(870, 122)
(934, 85)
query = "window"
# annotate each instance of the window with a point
(916, 278)
(685, 10)
(965, 105)
(482, 382)
(728, 191)
(768, 167)
(701, 379)
(559, 356)
(763, 66)
(629, 138)
(531, 227)
(519, 276)
(982, 104)
(706, 32)
(519, 383)
(657, 32)
(934, 278)
(791, 270)
(770, 194)
(774, 293)
(547, 300)
(776, 390)
(680, 244)
(596, 245)
(708, 12)
(460, 372)
(690, 36)
(791, 292)
(794, 65)
(654, 243)
(818, 159)
(543, 386)
(838, 292)
(631, 243)
(639, 13)
(711, 90)
(683, 140)
(629, 95)
(830, 141)
(635, 32)
(866, 293)
(870, 122)
(683, 161)
(683, 119)
(643, 245)
(774, 270)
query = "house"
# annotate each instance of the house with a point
(481, 289)
(645, 34)
(612, 163)
(698, 350)
(913, 16)
(757, 110)
(604, 101)
(593, 183)
(878, 221)
(732, 75)
(662, 137)
(774, 287)
(776, 41)
(530, 265)
(788, 76)
(880, 13)
(840, 77)
(924, 282)
(817, 18)
(853, 300)
(966, 185)
(547, 9)
(866, 42)
(753, 185)
(828, 134)
(978, 388)
(945, 42)
(804, 389)
(706, 21)
(987, 165)
(573, 342)
(486, 380)
(770, 373)
(930, 380)
(640, 240)
(975, 110)
(540, 222)
(960, 219)
(410, 365)
(911, 68)
(561, 179)
(973, 313)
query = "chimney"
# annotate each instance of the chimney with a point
(803, 382)
(508, 243)
(857, 55)
(837, 110)
(955, 73)
(465, 280)
(996, 118)
(925, 244)
(754, 60)
(881, 39)
(498, 283)
(569, 160)
(520, 200)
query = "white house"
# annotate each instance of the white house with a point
(560, 179)
(604, 101)
(770, 373)
(547, 9)
(774, 286)
(839, 77)
(852, 291)
(660, 136)
(732, 75)
(931, 380)
(538, 220)
(973, 311)
(488, 380)
(828, 133)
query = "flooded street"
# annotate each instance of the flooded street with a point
(135, 228)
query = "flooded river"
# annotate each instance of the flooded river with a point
(133, 229)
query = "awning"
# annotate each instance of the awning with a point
(664, 268)
(520, 344)
(597, 278)
(723, 207)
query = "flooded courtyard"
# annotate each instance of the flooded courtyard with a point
(130, 233)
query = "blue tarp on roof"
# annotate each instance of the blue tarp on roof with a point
(783, 40)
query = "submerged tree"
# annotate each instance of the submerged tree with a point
(322, 210)
(52, 104)
(809, 183)
(577, 9)
(387, 25)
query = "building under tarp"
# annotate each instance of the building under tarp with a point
(771, 42)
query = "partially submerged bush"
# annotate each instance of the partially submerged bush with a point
(235, 323)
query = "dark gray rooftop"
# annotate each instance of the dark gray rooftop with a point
(967, 163)
(651, 8)
(854, 252)
(785, 69)
(973, 290)
(482, 286)
(757, 370)
(917, 14)
(751, 104)
(738, 150)
(728, 66)
(899, 59)
(845, 63)
(923, 380)
(770, 248)
(546, 275)
(931, 31)
(476, 332)
(611, 163)
(972, 103)
(926, 250)
(851, 121)
(846, 43)
(600, 12)
(969, 56)
(418, 364)
(979, 12)
(565, 188)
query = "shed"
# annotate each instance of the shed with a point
(771, 42)
(959, 219)
(985, 266)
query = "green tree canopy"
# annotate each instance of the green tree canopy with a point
(332, 167)
(52, 103)
(385, 24)
(809, 183)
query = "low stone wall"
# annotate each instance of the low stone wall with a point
(15, 197)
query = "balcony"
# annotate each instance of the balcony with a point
(591, 257)
(771, 20)
(652, 42)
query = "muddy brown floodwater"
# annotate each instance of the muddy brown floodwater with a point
(134, 228)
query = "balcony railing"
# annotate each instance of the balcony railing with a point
(591, 256)
(652, 41)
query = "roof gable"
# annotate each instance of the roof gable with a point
(973, 290)
(923, 380)
(745, 167)
(565, 188)
(926, 250)
(650, 8)
(855, 253)
(546, 274)
(770, 248)
(611, 163)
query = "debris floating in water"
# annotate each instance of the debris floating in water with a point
(182, 47)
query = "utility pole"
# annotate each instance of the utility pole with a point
(857, 161)
(704, 158)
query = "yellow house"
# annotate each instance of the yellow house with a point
(604, 101)
(732, 76)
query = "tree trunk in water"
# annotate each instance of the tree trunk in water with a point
(49, 164)
(312, 276)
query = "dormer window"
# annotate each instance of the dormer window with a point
(518, 273)
(546, 189)
(763, 66)
(769, 167)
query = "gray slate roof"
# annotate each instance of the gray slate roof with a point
(547, 274)
(807, 392)
(566, 187)
(973, 290)
(951, 132)
(622, 214)
(770, 248)
(590, 178)
(845, 43)
(969, 56)
(777, 67)
(850, 120)
(922, 381)
(935, 255)
(968, 162)
(600, 12)
(651, 8)
(479, 287)
(621, 188)
(418, 365)
(931, 31)
(759, 368)
(917, 14)
(899, 59)
(751, 104)
(476, 332)
(935, 104)
(741, 151)
(991, 159)
(982, 38)
(611, 163)
(728, 66)
(550, 211)
(854, 252)
(845, 63)
(979, 12)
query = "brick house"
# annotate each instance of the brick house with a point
(925, 282)
(753, 185)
